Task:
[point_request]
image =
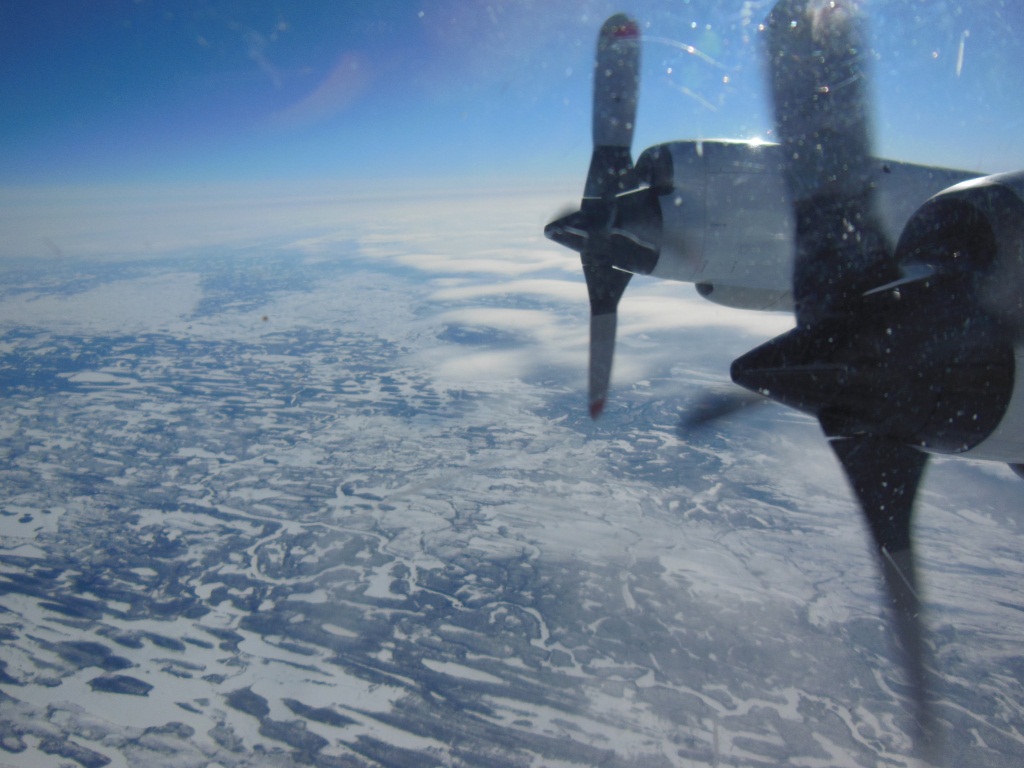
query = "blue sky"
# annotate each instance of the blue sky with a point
(142, 91)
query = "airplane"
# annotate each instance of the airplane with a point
(905, 280)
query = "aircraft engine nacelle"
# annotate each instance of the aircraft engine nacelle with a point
(934, 358)
(724, 217)
(975, 229)
(970, 237)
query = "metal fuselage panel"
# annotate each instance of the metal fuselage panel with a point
(728, 222)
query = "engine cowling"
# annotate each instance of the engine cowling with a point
(972, 235)
(976, 229)
(727, 218)
(934, 359)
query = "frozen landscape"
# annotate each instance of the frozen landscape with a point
(333, 499)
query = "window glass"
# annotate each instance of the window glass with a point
(295, 459)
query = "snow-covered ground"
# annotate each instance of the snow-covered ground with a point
(330, 496)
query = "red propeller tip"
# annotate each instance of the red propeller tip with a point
(596, 408)
(626, 30)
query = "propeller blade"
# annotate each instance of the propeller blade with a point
(885, 475)
(616, 84)
(605, 286)
(817, 55)
(612, 228)
(817, 58)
